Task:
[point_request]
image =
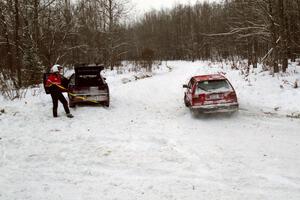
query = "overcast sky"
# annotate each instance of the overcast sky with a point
(142, 6)
(146, 5)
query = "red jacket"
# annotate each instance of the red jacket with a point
(55, 83)
(53, 79)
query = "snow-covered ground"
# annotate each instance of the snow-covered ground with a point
(147, 145)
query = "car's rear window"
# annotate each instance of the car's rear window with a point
(213, 86)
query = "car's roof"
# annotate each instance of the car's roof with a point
(209, 77)
(86, 69)
(82, 65)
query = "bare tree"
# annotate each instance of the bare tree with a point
(113, 11)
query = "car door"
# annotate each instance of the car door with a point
(189, 92)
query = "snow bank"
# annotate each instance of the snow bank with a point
(259, 90)
(148, 146)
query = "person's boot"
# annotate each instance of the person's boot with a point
(69, 115)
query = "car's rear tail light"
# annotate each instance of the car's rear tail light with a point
(200, 98)
(101, 87)
(232, 96)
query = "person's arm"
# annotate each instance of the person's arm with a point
(64, 82)
(49, 81)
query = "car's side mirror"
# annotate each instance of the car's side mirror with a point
(185, 86)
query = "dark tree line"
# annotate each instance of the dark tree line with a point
(258, 30)
(34, 34)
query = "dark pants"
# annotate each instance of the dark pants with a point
(56, 95)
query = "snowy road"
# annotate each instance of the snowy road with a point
(147, 145)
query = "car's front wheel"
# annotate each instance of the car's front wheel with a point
(186, 103)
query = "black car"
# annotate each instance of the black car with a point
(87, 85)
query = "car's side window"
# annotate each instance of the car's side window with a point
(72, 80)
(190, 85)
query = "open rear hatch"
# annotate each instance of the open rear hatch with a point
(88, 70)
(88, 83)
(215, 92)
(87, 77)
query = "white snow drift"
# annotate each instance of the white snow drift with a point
(147, 145)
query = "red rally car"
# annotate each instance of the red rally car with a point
(210, 94)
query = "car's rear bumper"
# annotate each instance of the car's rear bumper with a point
(216, 108)
(99, 98)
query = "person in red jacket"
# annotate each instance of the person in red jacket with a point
(54, 83)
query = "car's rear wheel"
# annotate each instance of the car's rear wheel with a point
(106, 103)
(72, 105)
(232, 113)
(196, 113)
